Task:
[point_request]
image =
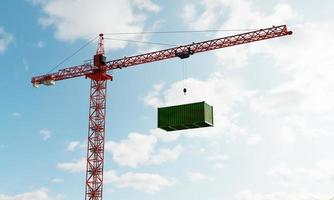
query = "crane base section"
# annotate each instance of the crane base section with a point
(186, 116)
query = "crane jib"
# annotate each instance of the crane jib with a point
(182, 52)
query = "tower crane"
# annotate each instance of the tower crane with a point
(98, 73)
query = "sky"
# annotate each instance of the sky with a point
(273, 101)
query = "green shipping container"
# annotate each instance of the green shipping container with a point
(186, 116)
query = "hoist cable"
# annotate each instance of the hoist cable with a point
(73, 54)
(143, 42)
(179, 31)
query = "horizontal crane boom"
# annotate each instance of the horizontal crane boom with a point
(182, 52)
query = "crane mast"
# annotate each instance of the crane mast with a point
(96, 127)
(98, 73)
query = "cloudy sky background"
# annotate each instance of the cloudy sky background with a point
(273, 102)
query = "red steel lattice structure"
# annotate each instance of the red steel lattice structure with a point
(96, 131)
(96, 138)
(97, 72)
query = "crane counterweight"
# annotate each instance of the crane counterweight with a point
(99, 60)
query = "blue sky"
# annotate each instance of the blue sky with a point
(273, 102)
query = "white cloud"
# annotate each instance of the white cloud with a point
(236, 14)
(198, 176)
(146, 182)
(75, 166)
(147, 5)
(218, 161)
(222, 157)
(71, 24)
(189, 13)
(138, 149)
(57, 180)
(303, 195)
(41, 194)
(134, 150)
(285, 174)
(244, 15)
(204, 20)
(165, 155)
(301, 104)
(45, 133)
(297, 106)
(5, 39)
(254, 139)
(219, 165)
(163, 136)
(152, 97)
(73, 145)
(150, 183)
(60, 196)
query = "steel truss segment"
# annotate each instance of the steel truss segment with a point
(187, 50)
(96, 140)
(181, 51)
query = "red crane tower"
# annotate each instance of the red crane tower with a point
(97, 72)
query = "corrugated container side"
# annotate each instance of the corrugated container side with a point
(186, 116)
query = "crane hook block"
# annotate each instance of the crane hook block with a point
(185, 54)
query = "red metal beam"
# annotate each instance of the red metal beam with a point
(181, 52)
